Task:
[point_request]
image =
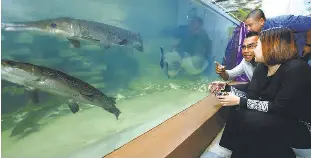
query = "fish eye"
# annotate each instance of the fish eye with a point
(53, 25)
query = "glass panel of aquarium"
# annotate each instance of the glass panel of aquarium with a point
(82, 78)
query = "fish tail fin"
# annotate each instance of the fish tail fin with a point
(139, 45)
(162, 58)
(117, 113)
(162, 50)
(163, 62)
(114, 109)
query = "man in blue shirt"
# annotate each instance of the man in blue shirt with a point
(256, 21)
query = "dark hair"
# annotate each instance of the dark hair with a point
(197, 19)
(251, 34)
(278, 45)
(256, 14)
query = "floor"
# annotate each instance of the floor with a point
(216, 151)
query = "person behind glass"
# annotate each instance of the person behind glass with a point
(191, 53)
(247, 65)
(274, 114)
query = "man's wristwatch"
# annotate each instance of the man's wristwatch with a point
(308, 44)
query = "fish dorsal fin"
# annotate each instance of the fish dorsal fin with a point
(33, 94)
(75, 43)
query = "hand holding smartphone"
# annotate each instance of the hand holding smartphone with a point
(217, 88)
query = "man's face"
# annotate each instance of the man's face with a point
(248, 47)
(254, 25)
(195, 27)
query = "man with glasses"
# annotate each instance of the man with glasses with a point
(247, 65)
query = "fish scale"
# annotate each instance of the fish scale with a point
(94, 29)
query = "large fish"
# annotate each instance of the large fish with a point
(35, 78)
(77, 29)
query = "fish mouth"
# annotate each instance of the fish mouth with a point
(7, 63)
(3, 62)
(139, 46)
(117, 113)
(31, 26)
(18, 27)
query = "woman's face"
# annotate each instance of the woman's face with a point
(258, 52)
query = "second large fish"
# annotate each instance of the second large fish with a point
(35, 77)
(78, 29)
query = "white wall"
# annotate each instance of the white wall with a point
(273, 8)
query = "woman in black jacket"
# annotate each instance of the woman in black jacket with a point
(274, 114)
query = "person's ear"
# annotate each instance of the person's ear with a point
(261, 21)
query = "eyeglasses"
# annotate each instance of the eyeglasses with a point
(249, 46)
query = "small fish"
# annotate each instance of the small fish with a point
(76, 30)
(38, 78)
(163, 63)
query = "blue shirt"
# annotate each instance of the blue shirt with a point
(299, 24)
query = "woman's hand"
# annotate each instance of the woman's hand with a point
(228, 100)
(216, 86)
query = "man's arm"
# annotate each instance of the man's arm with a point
(296, 23)
(235, 72)
(285, 100)
(224, 76)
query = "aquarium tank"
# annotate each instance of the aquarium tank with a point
(82, 78)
